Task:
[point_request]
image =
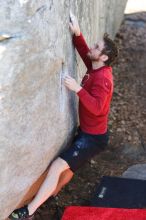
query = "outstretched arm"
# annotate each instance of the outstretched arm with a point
(79, 41)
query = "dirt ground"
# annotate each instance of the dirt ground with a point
(127, 122)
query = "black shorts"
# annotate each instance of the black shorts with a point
(83, 148)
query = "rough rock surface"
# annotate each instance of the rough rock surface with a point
(37, 114)
(137, 171)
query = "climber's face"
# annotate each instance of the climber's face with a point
(95, 53)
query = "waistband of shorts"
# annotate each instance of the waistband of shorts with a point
(93, 135)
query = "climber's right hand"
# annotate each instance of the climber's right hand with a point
(73, 24)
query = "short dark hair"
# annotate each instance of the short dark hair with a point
(110, 49)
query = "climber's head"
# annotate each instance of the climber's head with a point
(104, 51)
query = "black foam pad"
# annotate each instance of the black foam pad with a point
(118, 192)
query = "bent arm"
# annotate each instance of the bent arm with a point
(94, 101)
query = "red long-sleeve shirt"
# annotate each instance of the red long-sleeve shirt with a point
(96, 93)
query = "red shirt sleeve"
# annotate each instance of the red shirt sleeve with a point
(95, 101)
(82, 48)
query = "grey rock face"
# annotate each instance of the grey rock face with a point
(37, 113)
(137, 171)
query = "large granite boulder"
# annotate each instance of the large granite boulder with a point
(37, 113)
